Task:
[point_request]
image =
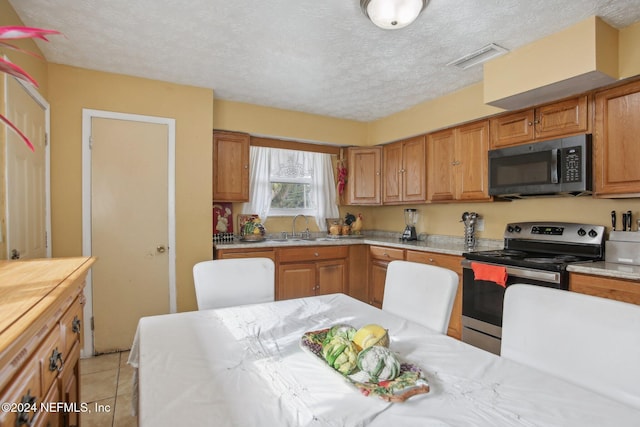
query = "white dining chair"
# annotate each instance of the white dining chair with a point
(229, 282)
(420, 292)
(590, 341)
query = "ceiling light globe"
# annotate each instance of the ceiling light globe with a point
(392, 14)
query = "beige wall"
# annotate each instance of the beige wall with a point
(443, 219)
(71, 90)
(458, 107)
(629, 39)
(267, 121)
(582, 55)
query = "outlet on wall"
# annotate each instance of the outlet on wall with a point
(480, 224)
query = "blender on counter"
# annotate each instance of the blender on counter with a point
(410, 219)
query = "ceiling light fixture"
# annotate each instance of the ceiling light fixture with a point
(392, 14)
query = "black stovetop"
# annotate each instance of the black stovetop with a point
(527, 259)
(544, 245)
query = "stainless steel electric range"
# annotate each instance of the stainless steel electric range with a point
(535, 253)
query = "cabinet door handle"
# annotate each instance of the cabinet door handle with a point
(56, 363)
(316, 254)
(75, 325)
(27, 403)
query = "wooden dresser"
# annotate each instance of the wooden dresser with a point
(40, 339)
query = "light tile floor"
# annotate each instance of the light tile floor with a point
(106, 387)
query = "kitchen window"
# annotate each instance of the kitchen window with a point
(291, 182)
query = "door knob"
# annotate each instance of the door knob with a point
(161, 249)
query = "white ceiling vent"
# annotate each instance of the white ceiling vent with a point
(479, 56)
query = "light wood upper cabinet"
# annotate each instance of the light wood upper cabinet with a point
(364, 176)
(230, 166)
(616, 146)
(441, 157)
(392, 167)
(562, 118)
(457, 163)
(404, 164)
(472, 175)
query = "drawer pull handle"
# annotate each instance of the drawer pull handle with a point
(316, 254)
(55, 361)
(28, 402)
(75, 325)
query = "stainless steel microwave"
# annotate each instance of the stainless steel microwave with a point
(555, 167)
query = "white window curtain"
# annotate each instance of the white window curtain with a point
(324, 189)
(268, 163)
(259, 183)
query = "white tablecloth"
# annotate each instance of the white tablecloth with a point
(243, 366)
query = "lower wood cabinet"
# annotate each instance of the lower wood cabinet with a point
(359, 272)
(40, 343)
(451, 262)
(246, 253)
(311, 270)
(379, 259)
(605, 287)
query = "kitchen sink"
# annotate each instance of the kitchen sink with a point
(292, 239)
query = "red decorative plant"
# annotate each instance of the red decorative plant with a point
(6, 66)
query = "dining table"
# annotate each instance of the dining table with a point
(248, 366)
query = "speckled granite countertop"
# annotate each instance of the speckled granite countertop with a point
(451, 245)
(607, 269)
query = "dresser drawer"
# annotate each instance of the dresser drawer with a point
(24, 394)
(71, 325)
(451, 262)
(385, 253)
(50, 357)
(312, 253)
(50, 417)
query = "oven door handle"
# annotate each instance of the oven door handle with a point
(515, 272)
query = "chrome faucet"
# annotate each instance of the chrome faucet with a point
(304, 234)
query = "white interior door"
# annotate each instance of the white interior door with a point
(131, 227)
(26, 175)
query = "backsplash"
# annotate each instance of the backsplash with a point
(445, 219)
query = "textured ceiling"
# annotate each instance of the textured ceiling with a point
(321, 57)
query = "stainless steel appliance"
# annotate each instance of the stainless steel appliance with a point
(554, 167)
(410, 219)
(623, 247)
(535, 253)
